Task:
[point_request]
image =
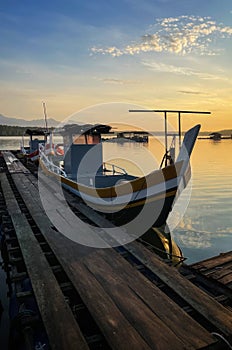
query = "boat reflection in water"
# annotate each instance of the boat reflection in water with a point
(161, 242)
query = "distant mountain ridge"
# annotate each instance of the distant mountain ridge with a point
(225, 132)
(54, 123)
(27, 123)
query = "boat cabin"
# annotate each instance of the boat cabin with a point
(83, 161)
(37, 137)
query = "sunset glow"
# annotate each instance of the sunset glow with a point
(161, 54)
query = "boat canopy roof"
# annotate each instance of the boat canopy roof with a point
(85, 129)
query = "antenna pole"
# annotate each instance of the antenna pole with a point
(45, 116)
(166, 137)
(179, 128)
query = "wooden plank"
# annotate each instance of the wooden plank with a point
(218, 315)
(226, 279)
(196, 302)
(219, 273)
(100, 220)
(33, 179)
(30, 194)
(13, 164)
(211, 263)
(31, 186)
(211, 284)
(151, 328)
(57, 209)
(111, 270)
(112, 322)
(203, 309)
(61, 326)
(120, 333)
(117, 238)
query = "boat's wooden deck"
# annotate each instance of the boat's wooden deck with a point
(132, 310)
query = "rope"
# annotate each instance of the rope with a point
(223, 339)
(182, 258)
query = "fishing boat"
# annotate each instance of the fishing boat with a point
(38, 137)
(130, 136)
(109, 189)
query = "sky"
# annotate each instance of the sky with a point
(160, 54)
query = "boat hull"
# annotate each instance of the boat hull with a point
(148, 199)
(155, 212)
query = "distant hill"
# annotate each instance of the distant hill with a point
(27, 123)
(226, 132)
(53, 123)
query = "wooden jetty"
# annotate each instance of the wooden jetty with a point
(217, 269)
(117, 298)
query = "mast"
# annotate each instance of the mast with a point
(45, 116)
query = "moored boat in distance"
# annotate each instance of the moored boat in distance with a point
(111, 190)
(38, 137)
(130, 136)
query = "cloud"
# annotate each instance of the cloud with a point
(178, 35)
(192, 92)
(191, 239)
(118, 81)
(171, 69)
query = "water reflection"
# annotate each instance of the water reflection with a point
(206, 228)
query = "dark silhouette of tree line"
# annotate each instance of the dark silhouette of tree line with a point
(6, 130)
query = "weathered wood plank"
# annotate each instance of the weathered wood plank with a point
(13, 164)
(218, 315)
(57, 209)
(112, 322)
(226, 279)
(62, 329)
(145, 321)
(144, 256)
(77, 266)
(211, 263)
(178, 322)
(219, 273)
(119, 237)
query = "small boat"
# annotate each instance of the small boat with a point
(130, 136)
(38, 137)
(110, 189)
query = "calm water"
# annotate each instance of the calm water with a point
(206, 227)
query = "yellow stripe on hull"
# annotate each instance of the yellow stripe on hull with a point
(154, 178)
